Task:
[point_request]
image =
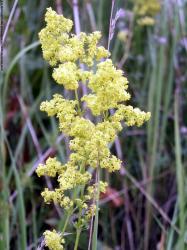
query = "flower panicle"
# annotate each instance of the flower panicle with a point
(89, 141)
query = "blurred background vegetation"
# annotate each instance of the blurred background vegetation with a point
(145, 207)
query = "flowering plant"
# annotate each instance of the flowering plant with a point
(146, 11)
(77, 59)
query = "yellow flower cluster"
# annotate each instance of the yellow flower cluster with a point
(53, 240)
(51, 168)
(123, 35)
(146, 21)
(102, 187)
(61, 47)
(66, 74)
(131, 116)
(89, 143)
(56, 33)
(65, 110)
(69, 177)
(108, 87)
(146, 11)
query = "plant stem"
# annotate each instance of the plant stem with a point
(78, 102)
(66, 222)
(94, 238)
(77, 238)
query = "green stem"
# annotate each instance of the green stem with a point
(95, 232)
(78, 102)
(77, 239)
(66, 222)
